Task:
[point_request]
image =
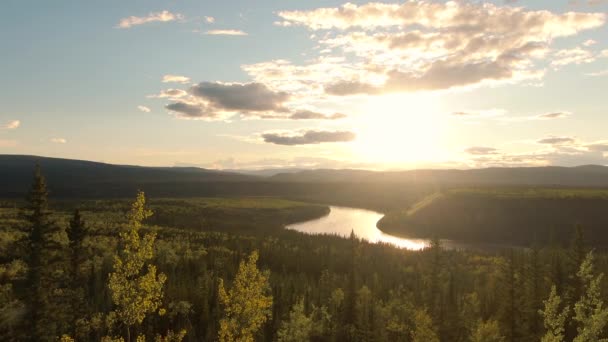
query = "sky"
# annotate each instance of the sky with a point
(306, 84)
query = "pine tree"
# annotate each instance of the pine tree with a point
(589, 311)
(246, 305)
(136, 288)
(554, 317)
(48, 269)
(76, 233)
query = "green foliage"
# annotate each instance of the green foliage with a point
(246, 305)
(487, 332)
(136, 288)
(554, 317)
(424, 331)
(298, 327)
(589, 311)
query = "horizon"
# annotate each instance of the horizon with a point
(393, 85)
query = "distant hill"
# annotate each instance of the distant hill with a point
(69, 177)
(580, 176)
(498, 215)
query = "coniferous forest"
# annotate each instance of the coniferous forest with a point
(225, 269)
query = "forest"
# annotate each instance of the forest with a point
(225, 269)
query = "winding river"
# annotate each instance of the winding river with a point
(342, 220)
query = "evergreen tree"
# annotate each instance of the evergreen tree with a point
(589, 311)
(246, 305)
(136, 288)
(48, 270)
(76, 233)
(554, 317)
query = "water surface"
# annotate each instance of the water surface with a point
(341, 221)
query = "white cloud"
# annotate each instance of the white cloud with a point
(13, 124)
(598, 73)
(589, 42)
(144, 109)
(572, 56)
(226, 33)
(209, 20)
(59, 140)
(423, 45)
(164, 16)
(175, 79)
(169, 93)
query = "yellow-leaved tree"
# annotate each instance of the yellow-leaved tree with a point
(247, 304)
(136, 288)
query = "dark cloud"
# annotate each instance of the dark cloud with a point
(557, 140)
(481, 150)
(598, 147)
(310, 115)
(351, 88)
(308, 137)
(248, 97)
(555, 115)
(191, 111)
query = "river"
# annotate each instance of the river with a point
(342, 220)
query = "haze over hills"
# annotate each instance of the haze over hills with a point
(67, 176)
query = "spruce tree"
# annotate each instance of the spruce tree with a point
(76, 233)
(48, 270)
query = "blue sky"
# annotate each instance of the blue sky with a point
(306, 83)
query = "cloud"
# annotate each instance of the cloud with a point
(8, 143)
(307, 137)
(59, 140)
(553, 115)
(209, 20)
(488, 113)
(175, 79)
(164, 16)
(429, 46)
(572, 56)
(598, 73)
(310, 115)
(169, 93)
(226, 33)
(601, 146)
(589, 42)
(481, 150)
(255, 97)
(186, 110)
(13, 124)
(144, 109)
(557, 140)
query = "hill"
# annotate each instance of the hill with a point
(581, 176)
(68, 177)
(506, 215)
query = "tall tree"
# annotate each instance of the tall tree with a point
(247, 304)
(554, 317)
(48, 295)
(589, 311)
(487, 332)
(136, 288)
(76, 233)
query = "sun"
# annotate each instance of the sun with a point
(405, 129)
